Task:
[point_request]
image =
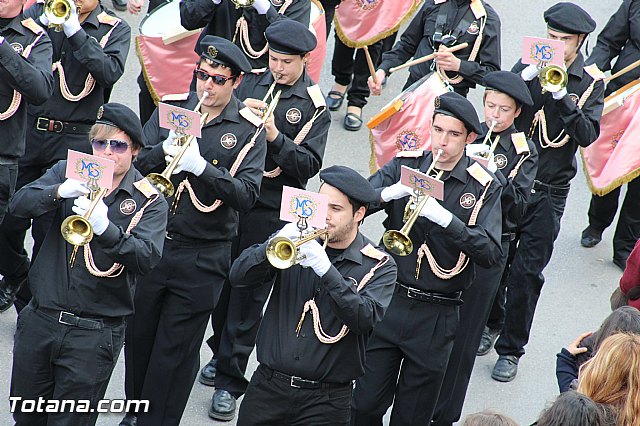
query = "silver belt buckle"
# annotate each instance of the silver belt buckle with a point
(411, 293)
(293, 385)
(61, 321)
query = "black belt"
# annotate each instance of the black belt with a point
(71, 319)
(551, 189)
(188, 240)
(8, 161)
(450, 299)
(508, 236)
(299, 382)
(50, 125)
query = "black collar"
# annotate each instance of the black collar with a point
(353, 252)
(577, 67)
(299, 88)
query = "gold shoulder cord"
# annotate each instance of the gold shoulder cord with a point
(243, 29)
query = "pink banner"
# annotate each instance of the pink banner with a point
(614, 158)
(410, 128)
(319, 27)
(361, 23)
(89, 168)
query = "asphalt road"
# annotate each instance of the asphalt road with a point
(579, 281)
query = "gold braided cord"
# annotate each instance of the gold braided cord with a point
(243, 28)
(457, 79)
(310, 305)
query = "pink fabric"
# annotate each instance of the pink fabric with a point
(316, 59)
(631, 275)
(616, 153)
(410, 128)
(363, 22)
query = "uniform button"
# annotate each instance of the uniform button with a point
(297, 358)
(214, 162)
(533, 191)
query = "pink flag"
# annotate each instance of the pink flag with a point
(361, 23)
(298, 203)
(408, 130)
(317, 26)
(614, 158)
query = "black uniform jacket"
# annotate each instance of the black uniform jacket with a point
(220, 20)
(417, 41)
(516, 189)
(222, 140)
(295, 108)
(57, 286)
(619, 38)
(480, 242)
(557, 166)
(31, 77)
(339, 303)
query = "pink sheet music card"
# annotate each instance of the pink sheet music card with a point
(536, 50)
(297, 203)
(419, 181)
(181, 120)
(89, 168)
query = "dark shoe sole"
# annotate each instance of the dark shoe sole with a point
(590, 242)
(502, 378)
(205, 381)
(224, 417)
(484, 352)
(354, 117)
(336, 97)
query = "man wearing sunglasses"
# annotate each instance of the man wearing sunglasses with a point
(69, 336)
(219, 174)
(296, 138)
(89, 55)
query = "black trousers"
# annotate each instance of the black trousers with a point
(173, 303)
(238, 313)
(414, 339)
(602, 210)
(329, 7)
(539, 230)
(349, 66)
(62, 362)
(497, 313)
(8, 177)
(145, 101)
(273, 401)
(473, 315)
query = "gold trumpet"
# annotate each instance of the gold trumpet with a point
(553, 78)
(243, 3)
(398, 242)
(57, 13)
(282, 252)
(162, 181)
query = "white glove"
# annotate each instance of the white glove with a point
(530, 72)
(262, 6)
(71, 25)
(1, 39)
(98, 219)
(476, 149)
(44, 20)
(395, 192)
(191, 161)
(217, 1)
(290, 230)
(314, 257)
(559, 94)
(72, 188)
(491, 165)
(168, 144)
(433, 211)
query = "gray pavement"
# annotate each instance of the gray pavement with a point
(578, 281)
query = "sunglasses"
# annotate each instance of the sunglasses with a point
(117, 146)
(218, 79)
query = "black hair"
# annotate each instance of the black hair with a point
(575, 409)
(469, 131)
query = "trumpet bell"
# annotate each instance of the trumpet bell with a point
(76, 230)
(553, 78)
(397, 243)
(162, 184)
(243, 3)
(282, 252)
(57, 11)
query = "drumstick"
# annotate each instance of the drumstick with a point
(428, 57)
(623, 71)
(372, 69)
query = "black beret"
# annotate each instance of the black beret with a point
(569, 18)
(510, 84)
(290, 37)
(456, 105)
(350, 183)
(122, 117)
(223, 52)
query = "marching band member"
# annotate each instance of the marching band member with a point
(561, 121)
(21, 81)
(311, 344)
(69, 337)
(216, 176)
(450, 238)
(617, 40)
(441, 24)
(514, 160)
(88, 59)
(296, 138)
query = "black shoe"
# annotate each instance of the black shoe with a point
(8, 290)
(622, 264)
(129, 420)
(334, 100)
(505, 369)
(120, 5)
(489, 337)
(223, 406)
(208, 373)
(590, 237)
(352, 122)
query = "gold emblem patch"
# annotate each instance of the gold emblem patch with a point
(228, 140)
(294, 115)
(128, 206)
(500, 160)
(100, 113)
(467, 200)
(474, 28)
(212, 51)
(436, 102)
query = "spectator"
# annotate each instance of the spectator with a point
(488, 418)
(575, 409)
(630, 281)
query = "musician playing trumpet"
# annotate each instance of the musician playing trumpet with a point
(450, 238)
(70, 335)
(312, 339)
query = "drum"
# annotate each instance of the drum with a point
(165, 51)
